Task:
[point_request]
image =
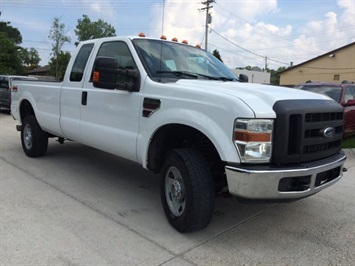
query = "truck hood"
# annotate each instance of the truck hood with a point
(259, 97)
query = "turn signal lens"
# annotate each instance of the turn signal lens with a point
(250, 136)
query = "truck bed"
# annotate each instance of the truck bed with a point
(44, 97)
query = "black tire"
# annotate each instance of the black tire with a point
(187, 190)
(34, 140)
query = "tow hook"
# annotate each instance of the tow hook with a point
(18, 127)
(345, 169)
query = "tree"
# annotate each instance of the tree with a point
(29, 58)
(10, 39)
(58, 35)
(13, 58)
(275, 76)
(87, 29)
(58, 65)
(9, 60)
(11, 32)
(217, 55)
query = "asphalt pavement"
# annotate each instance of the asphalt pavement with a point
(81, 206)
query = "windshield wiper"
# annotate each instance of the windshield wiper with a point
(178, 73)
(194, 75)
(215, 78)
(226, 79)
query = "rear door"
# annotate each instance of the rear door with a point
(110, 118)
(71, 94)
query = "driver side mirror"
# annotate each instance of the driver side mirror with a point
(243, 78)
(104, 75)
(107, 75)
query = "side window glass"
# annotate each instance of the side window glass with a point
(119, 51)
(353, 91)
(80, 62)
(349, 94)
(4, 83)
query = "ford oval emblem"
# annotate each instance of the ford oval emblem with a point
(329, 132)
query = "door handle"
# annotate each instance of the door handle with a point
(84, 97)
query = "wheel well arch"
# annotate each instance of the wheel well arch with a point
(26, 109)
(178, 136)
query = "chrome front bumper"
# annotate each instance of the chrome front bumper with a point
(282, 183)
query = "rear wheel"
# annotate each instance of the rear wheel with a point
(187, 190)
(34, 140)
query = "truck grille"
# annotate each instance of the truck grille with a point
(306, 130)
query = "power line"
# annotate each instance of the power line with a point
(251, 52)
(222, 49)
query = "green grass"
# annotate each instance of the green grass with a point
(349, 143)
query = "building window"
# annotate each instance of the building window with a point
(336, 77)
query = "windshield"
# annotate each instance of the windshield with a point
(333, 92)
(163, 59)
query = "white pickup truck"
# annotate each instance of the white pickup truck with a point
(178, 111)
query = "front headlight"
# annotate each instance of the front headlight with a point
(253, 139)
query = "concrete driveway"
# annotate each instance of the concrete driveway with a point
(80, 206)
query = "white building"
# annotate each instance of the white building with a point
(254, 76)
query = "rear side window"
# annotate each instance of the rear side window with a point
(4, 83)
(80, 62)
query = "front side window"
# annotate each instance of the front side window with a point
(175, 60)
(349, 94)
(120, 52)
(81, 59)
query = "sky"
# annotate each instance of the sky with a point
(261, 33)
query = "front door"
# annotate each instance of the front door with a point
(110, 118)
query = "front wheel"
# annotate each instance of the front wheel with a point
(187, 190)
(34, 140)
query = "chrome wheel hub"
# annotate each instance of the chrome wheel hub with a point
(27, 137)
(175, 191)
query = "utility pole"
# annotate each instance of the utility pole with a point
(208, 18)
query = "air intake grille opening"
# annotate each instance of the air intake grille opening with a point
(301, 130)
(327, 176)
(297, 183)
